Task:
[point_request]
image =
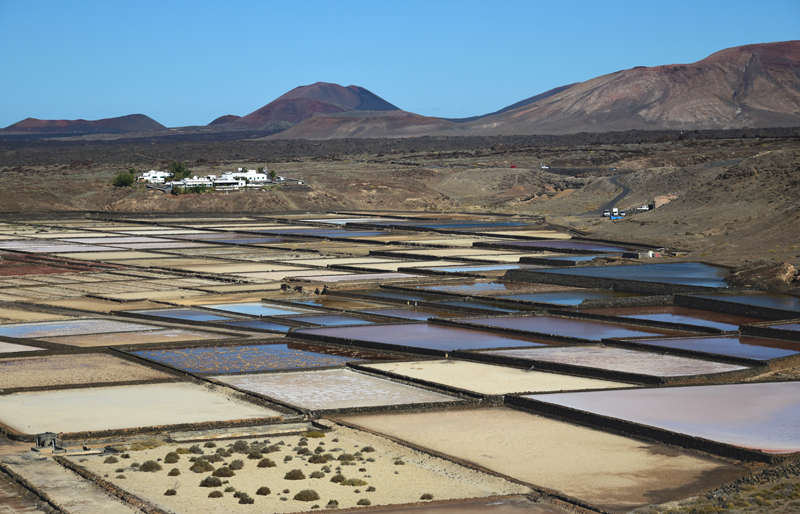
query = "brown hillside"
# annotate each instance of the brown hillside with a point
(130, 123)
(287, 112)
(351, 97)
(747, 86)
(222, 120)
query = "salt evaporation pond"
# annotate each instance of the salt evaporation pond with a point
(183, 314)
(256, 309)
(618, 359)
(332, 320)
(476, 304)
(263, 357)
(570, 327)
(677, 314)
(12, 348)
(488, 267)
(69, 328)
(506, 505)
(490, 379)
(684, 273)
(425, 335)
(337, 303)
(773, 301)
(120, 407)
(568, 298)
(129, 338)
(567, 245)
(764, 416)
(263, 325)
(787, 326)
(746, 347)
(415, 314)
(333, 389)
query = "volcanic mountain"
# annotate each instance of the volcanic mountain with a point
(122, 124)
(322, 98)
(741, 87)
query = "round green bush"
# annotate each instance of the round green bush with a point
(215, 494)
(210, 445)
(263, 491)
(241, 446)
(332, 504)
(306, 495)
(111, 460)
(170, 492)
(224, 472)
(174, 472)
(426, 496)
(338, 478)
(237, 465)
(150, 466)
(317, 474)
(210, 482)
(370, 489)
(246, 500)
(171, 458)
(364, 501)
(294, 474)
(201, 466)
(303, 451)
(266, 463)
(254, 455)
(367, 449)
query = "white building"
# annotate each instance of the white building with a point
(154, 176)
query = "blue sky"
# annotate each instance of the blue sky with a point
(186, 63)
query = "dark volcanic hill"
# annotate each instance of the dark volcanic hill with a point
(741, 87)
(351, 97)
(228, 118)
(122, 124)
(304, 102)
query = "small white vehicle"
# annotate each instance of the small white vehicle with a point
(643, 208)
(606, 213)
(615, 212)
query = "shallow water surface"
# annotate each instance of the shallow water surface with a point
(748, 347)
(763, 416)
(568, 327)
(773, 301)
(184, 314)
(570, 298)
(424, 335)
(70, 328)
(677, 314)
(255, 309)
(333, 320)
(249, 358)
(570, 245)
(685, 273)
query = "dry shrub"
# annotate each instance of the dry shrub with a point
(150, 466)
(306, 495)
(171, 458)
(170, 492)
(263, 491)
(266, 463)
(224, 472)
(111, 460)
(210, 482)
(215, 494)
(174, 472)
(294, 474)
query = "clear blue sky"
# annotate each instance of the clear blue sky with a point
(186, 63)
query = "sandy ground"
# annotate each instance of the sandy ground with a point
(333, 389)
(394, 484)
(72, 369)
(617, 473)
(105, 408)
(488, 379)
(97, 305)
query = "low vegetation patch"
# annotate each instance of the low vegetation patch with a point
(266, 463)
(306, 495)
(211, 482)
(170, 492)
(294, 474)
(263, 491)
(150, 466)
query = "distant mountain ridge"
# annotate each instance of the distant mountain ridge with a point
(750, 86)
(122, 124)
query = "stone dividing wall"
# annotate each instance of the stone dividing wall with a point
(642, 432)
(640, 322)
(611, 284)
(416, 382)
(455, 309)
(49, 506)
(130, 499)
(740, 309)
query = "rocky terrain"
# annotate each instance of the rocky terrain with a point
(735, 197)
